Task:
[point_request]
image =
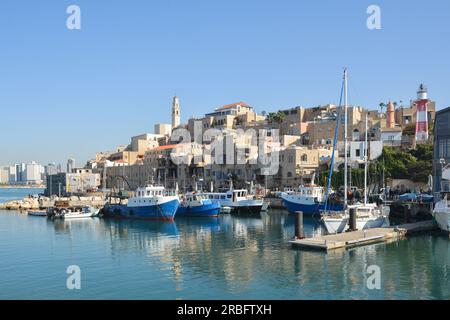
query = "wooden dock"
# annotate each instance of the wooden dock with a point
(364, 237)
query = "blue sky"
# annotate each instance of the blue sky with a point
(69, 93)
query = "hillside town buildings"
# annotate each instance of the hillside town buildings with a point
(301, 137)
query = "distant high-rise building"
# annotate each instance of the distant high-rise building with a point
(176, 118)
(33, 172)
(70, 165)
(20, 172)
(51, 169)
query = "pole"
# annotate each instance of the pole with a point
(345, 139)
(299, 225)
(352, 220)
(365, 160)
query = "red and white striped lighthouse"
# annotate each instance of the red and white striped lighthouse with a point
(422, 115)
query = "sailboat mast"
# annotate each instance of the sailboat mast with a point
(345, 139)
(366, 159)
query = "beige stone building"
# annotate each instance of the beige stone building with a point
(299, 164)
(227, 117)
(321, 131)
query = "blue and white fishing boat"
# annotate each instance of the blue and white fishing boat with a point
(197, 205)
(150, 203)
(310, 199)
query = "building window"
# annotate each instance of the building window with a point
(358, 152)
(289, 174)
(304, 158)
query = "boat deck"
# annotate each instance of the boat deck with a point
(363, 237)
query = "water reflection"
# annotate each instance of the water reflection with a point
(249, 257)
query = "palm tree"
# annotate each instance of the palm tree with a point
(271, 117)
(280, 116)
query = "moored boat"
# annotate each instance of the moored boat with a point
(238, 200)
(151, 203)
(197, 205)
(441, 212)
(367, 216)
(309, 199)
(37, 213)
(72, 212)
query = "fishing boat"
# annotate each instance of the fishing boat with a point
(197, 205)
(150, 202)
(310, 199)
(368, 215)
(441, 212)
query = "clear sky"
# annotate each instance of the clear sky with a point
(69, 93)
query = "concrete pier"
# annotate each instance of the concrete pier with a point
(364, 237)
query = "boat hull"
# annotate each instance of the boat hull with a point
(78, 216)
(37, 213)
(205, 210)
(339, 225)
(310, 209)
(165, 211)
(443, 220)
(248, 209)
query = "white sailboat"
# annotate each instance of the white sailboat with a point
(368, 215)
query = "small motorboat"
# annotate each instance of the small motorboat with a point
(37, 213)
(86, 212)
(72, 213)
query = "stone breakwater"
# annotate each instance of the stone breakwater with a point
(33, 203)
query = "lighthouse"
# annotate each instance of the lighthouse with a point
(422, 115)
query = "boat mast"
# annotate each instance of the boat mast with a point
(345, 139)
(366, 156)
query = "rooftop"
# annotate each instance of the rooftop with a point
(234, 105)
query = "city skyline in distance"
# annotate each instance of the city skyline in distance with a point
(72, 93)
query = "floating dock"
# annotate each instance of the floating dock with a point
(364, 237)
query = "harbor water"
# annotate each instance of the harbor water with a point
(230, 257)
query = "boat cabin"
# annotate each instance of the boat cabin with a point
(153, 191)
(311, 191)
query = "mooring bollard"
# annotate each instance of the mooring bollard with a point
(352, 220)
(299, 225)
